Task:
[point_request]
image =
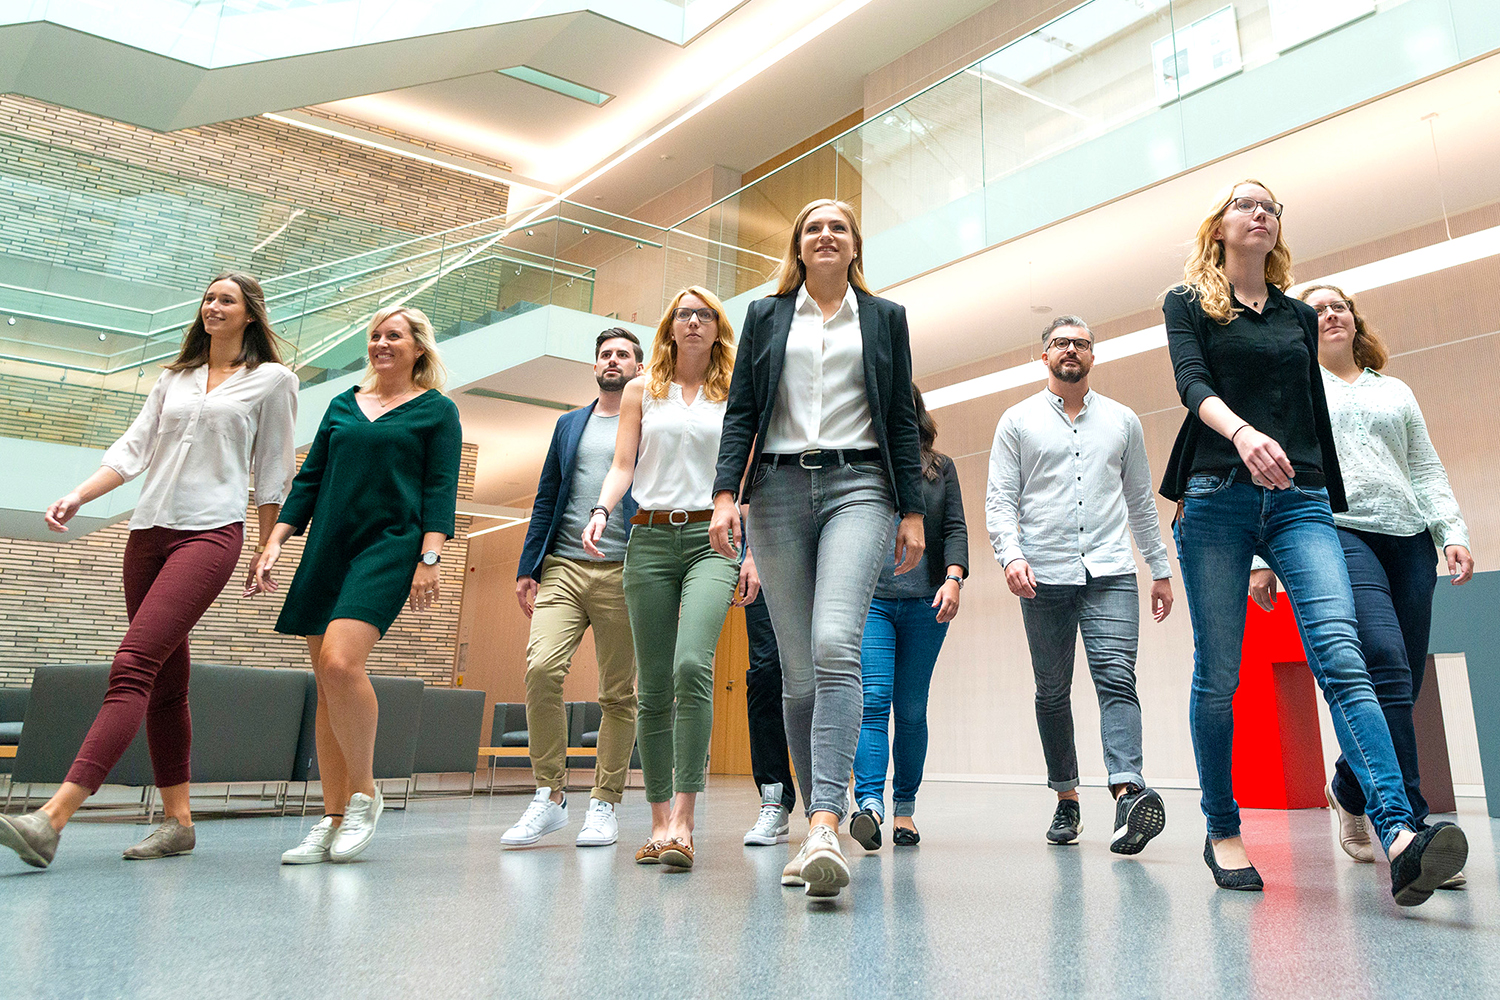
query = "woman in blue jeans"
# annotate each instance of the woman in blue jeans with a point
(1400, 503)
(1255, 472)
(904, 633)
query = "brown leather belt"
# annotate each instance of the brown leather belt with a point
(676, 518)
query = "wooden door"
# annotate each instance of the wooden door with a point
(729, 751)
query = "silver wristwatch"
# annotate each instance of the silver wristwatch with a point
(430, 558)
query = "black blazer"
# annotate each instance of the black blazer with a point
(757, 374)
(947, 533)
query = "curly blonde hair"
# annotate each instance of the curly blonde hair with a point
(661, 370)
(1369, 350)
(792, 272)
(1204, 271)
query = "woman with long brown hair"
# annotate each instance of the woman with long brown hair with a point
(223, 412)
(677, 588)
(1255, 472)
(1400, 504)
(821, 430)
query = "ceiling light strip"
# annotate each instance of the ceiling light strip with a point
(1377, 274)
(497, 527)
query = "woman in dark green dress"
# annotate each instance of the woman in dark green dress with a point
(379, 484)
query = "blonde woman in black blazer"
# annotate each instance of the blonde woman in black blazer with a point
(821, 432)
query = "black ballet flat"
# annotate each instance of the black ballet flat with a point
(902, 837)
(1242, 879)
(864, 827)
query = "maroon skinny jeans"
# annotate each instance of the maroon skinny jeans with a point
(171, 577)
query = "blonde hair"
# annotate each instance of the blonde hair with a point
(661, 370)
(791, 272)
(428, 371)
(1204, 271)
(1369, 350)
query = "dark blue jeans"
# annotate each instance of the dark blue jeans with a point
(769, 762)
(900, 648)
(1393, 578)
(1223, 524)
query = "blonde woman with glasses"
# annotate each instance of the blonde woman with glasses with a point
(380, 484)
(677, 588)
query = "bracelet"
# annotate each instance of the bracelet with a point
(260, 548)
(956, 579)
(1237, 431)
(599, 510)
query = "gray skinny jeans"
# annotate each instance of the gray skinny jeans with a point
(819, 537)
(1107, 610)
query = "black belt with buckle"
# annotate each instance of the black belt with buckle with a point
(822, 458)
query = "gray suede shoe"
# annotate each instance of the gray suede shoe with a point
(31, 836)
(168, 840)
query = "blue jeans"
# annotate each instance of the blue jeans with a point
(1107, 610)
(1223, 524)
(819, 537)
(1393, 578)
(900, 648)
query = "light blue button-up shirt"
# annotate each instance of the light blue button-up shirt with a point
(1062, 492)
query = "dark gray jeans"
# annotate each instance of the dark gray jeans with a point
(1107, 611)
(820, 537)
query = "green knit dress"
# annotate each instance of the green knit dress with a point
(372, 489)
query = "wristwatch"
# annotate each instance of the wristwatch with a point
(430, 558)
(956, 579)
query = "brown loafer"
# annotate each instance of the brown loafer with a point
(650, 853)
(677, 853)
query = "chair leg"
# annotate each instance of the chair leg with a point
(472, 776)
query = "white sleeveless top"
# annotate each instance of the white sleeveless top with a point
(679, 451)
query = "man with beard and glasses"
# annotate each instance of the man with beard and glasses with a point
(565, 591)
(1068, 472)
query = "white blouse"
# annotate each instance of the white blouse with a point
(820, 400)
(1393, 478)
(199, 449)
(679, 451)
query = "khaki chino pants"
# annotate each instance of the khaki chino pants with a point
(573, 596)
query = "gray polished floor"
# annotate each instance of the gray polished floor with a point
(982, 908)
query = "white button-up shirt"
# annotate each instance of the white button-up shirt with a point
(821, 401)
(1061, 492)
(199, 449)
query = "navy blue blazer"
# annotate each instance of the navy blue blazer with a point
(757, 374)
(552, 492)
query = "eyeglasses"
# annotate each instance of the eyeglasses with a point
(1247, 206)
(1077, 343)
(705, 316)
(1338, 307)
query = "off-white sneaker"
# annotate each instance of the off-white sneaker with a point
(314, 847)
(773, 825)
(824, 869)
(542, 816)
(360, 816)
(600, 828)
(791, 875)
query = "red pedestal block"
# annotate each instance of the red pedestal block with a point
(1278, 750)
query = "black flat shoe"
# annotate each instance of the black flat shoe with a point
(1433, 857)
(902, 837)
(1243, 879)
(864, 827)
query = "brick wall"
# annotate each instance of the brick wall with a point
(63, 603)
(65, 413)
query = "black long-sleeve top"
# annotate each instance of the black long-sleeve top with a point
(1265, 368)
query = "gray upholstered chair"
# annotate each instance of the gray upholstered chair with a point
(508, 729)
(249, 721)
(449, 733)
(12, 715)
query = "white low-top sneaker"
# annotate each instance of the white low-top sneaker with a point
(791, 875)
(600, 828)
(824, 869)
(314, 847)
(542, 816)
(360, 817)
(773, 825)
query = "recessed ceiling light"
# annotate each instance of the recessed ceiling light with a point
(1041, 310)
(557, 85)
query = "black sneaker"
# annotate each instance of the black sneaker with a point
(1067, 823)
(1432, 858)
(1139, 816)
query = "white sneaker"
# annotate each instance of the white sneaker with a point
(600, 828)
(542, 816)
(314, 847)
(360, 816)
(824, 870)
(791, 875)
(773, 825)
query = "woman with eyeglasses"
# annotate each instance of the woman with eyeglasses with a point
(1400, 503)
(1255, 471)
(677, 588)
(821, 430)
